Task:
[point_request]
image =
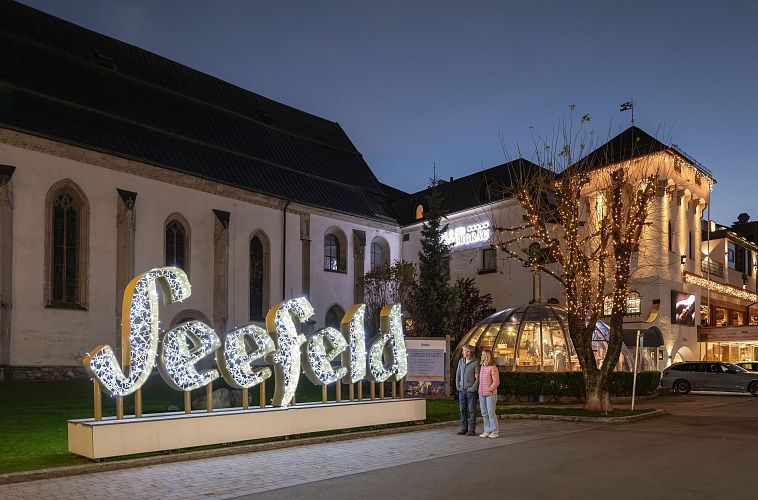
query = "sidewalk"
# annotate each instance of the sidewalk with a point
(227, 477)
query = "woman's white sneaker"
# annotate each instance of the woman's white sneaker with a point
(484, 435)
(492, 435)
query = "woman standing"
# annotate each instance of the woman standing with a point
(489, 380)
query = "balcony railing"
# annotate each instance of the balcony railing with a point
(712, 267)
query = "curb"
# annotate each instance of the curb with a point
(91, 468)
(566, 418)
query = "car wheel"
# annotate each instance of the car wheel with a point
(682, 386)
(753, 388)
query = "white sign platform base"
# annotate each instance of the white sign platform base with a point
(170, 431)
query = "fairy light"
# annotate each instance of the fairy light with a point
(694, 279)
(318, 367)
(390, 344)
(354, 358)
(139, 331)
(236, 363)
(183, 347)
(286, 359)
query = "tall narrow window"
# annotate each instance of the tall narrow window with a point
(671, 238)
(66, 246)
(377, 258)
(331, 253)
(65, 250)
(177, 244)
(256, 279)
(689, 249)
(334, 316)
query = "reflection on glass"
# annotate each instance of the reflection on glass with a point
(534, 338)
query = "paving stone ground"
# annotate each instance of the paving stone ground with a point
(232, 476)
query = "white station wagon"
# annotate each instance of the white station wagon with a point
(709, 376)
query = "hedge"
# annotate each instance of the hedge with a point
(558, 385)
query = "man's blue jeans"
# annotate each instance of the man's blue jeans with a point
(467, 402)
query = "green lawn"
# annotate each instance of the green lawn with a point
(33, 415)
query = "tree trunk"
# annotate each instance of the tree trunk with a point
(598, 397)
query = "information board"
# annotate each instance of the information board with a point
(427, 367)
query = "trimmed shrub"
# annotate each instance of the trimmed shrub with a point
(556, 385)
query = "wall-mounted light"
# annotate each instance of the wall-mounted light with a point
(683, 259)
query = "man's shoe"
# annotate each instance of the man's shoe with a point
(462, 432)
(471, 433)
(484, 435)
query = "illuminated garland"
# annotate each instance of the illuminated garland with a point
(279, 322)
(694, 279)
(139, 331)
(355, 357)
(236, 363)
(318, 367)
(178, 358)
(390, 344)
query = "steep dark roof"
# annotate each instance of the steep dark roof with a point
(630, 144)
(70, 84)
(467, 192)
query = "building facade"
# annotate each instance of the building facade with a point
(114, 160)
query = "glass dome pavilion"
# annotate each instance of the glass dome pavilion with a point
(535, 337)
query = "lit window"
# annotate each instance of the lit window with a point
(331, 253)
(419, 212)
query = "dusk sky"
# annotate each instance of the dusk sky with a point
(418, 83)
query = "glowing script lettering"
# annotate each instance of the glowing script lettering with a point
(186, 344)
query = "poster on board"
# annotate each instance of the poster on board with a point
(427, 367)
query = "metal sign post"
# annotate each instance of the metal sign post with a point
(636, 357)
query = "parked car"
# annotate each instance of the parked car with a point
(751, 366)
(709, 376)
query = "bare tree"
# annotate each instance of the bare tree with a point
(587, 212)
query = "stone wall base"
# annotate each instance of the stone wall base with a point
(42, 373)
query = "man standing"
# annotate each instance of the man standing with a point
(467, 382)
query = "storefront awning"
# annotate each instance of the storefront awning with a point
(651, 337)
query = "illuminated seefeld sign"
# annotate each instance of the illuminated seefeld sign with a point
(467, 235)
(279, 345)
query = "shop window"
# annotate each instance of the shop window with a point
(633, 304)
(737, 317)
(720, 317)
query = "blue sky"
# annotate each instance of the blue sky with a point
(417, 83)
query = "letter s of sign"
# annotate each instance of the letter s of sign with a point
(389, 342)
(139, 331)
(280, 324)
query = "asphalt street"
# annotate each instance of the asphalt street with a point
(705, 448)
